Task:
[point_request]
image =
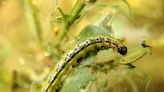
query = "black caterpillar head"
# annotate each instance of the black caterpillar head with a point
(122, 50)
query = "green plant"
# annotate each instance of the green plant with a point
(87, 71)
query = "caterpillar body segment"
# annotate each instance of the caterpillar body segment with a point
(80, 51)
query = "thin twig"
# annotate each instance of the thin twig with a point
(32, 19)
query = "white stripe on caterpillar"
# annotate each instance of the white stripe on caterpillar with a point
(95, 43)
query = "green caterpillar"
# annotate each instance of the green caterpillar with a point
(79, 51)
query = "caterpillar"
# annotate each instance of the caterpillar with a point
(79, 51)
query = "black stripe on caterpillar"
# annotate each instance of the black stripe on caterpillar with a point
(91, 44)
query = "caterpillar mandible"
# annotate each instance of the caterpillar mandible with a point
(91, 44)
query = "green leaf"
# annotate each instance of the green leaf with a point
(118, 26)
(91, 30)
(135, 54)
(79, 80)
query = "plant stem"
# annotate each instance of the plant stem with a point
(69, 20)
(32, 19)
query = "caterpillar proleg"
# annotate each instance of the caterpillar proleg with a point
(91, 44)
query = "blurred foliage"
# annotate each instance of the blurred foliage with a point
(24, 58)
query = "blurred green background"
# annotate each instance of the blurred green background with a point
(22, 56)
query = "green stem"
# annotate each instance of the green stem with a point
(32, 19)
(76, 11)
(35, 26)
(68, 21)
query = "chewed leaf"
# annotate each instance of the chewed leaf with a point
(79, 80)
(135, 54)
